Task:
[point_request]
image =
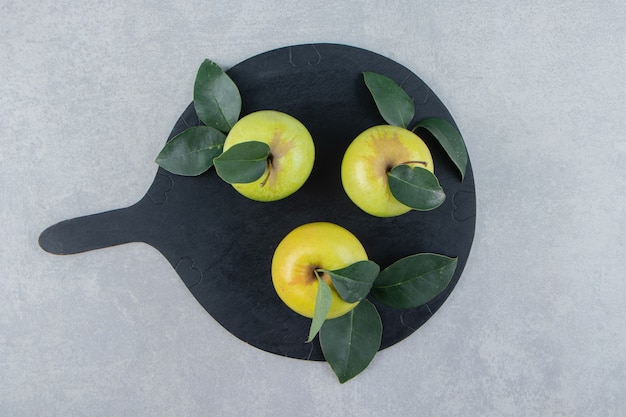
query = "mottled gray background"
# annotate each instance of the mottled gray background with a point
(537, 324)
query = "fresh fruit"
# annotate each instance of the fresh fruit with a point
(284, 167)
(370, 158)
(303, 255)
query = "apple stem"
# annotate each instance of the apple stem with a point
(268, 169)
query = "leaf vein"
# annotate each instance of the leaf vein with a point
(418, 277)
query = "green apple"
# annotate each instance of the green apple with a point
(302, 256)
(291, 153)
(369, 159)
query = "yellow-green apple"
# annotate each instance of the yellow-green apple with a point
(307, 250)
(291, 156)
(369, 159)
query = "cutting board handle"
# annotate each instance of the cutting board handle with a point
(90, 232)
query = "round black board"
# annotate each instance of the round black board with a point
(221, 244)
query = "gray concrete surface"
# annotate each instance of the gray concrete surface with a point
(537, 325)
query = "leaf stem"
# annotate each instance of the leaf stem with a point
(319, 272)
(424, 163)
(268, 169)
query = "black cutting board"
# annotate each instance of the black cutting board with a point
(221, 244)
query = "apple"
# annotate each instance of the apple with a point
(305, 251)
(369, 159)
(291, 156)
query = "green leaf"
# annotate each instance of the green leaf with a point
(216, 97)
(354, 282)
(243, 163)
(191, 152)
(323, 300)
(394, 104)
(449, 138)
(416, 187)
(414, 280)
(350, 342)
